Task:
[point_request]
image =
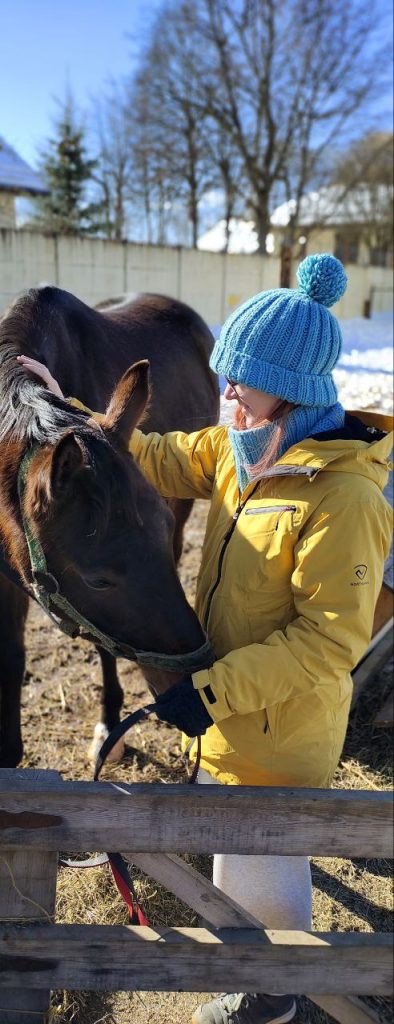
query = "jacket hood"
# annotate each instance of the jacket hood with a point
(362, 446)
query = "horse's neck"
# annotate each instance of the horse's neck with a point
(81, 361)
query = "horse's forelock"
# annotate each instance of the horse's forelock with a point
(28, 411)
(113, 487)
(106, 489)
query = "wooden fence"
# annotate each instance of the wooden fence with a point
(41, 814)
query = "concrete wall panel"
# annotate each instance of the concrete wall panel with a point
(152, 269)
(26, 260)
(91, 268)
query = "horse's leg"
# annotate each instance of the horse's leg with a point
(181, 508)
(13, 611)
(111, 703)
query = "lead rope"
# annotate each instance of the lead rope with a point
(117, 863)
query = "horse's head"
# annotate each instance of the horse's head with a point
(106, 534)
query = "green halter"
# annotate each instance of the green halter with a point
(46, 591)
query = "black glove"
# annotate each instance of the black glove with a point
(182, 706)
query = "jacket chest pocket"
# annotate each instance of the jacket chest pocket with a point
(265, 541)
(270, 510)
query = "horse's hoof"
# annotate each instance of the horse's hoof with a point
(100, 734)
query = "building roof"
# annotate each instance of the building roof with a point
(15, 174)
(328, 207)
(333, 206)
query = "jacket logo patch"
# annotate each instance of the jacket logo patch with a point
(360, 571)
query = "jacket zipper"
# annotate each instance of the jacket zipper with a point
(226, 540)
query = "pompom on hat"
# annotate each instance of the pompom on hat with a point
(285, 341)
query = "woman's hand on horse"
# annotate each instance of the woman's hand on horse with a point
(41, 371)
(181, 705)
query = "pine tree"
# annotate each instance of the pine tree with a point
(68, 172)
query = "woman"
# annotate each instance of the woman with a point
(292, 564)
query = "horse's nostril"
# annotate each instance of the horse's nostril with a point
(159, 681)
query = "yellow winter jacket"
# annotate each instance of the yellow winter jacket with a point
(289, 579)
(287, 592)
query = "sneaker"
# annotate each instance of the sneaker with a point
(246, 1008)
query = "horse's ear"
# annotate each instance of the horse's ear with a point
(128, 403)
(68, 458)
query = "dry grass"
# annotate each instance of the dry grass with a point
(60, 707)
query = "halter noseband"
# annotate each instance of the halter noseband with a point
(44, 587)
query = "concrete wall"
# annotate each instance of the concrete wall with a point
(373, 284)
(213, 283)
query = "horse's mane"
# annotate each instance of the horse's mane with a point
(28, 411)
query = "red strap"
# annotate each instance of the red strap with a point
(137, 916)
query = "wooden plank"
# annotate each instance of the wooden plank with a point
(27, 892)
(127, 958)
(384, 610)
(373, 662)
(385, 715)
(385, 629)
(348, 1010)
(196, 819)
(195, 890)
(221, 911)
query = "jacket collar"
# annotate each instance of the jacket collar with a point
(361, 446)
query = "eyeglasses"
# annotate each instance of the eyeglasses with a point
(232, 383)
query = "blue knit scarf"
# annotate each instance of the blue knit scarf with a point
(249, 445)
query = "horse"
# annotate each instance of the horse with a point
(107, 540)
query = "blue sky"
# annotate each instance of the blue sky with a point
(47, 44)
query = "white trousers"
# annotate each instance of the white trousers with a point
(276, 890)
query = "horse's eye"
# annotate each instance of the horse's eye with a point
(98, 583)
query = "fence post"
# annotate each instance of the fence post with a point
(27, 893)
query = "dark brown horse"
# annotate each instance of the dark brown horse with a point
(108, 538)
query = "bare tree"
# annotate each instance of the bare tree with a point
(178, 149)
(226, 173)
(112, 136)
(151, 184)
(248, 96)
(364, 174)
(283, 81)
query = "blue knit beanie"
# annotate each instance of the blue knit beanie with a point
(285, 341)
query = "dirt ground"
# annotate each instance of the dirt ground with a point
(60, 708)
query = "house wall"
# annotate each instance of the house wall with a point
(7, 210)
(321, 240)
(213, 283)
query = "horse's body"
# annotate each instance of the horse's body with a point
(88, 351)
